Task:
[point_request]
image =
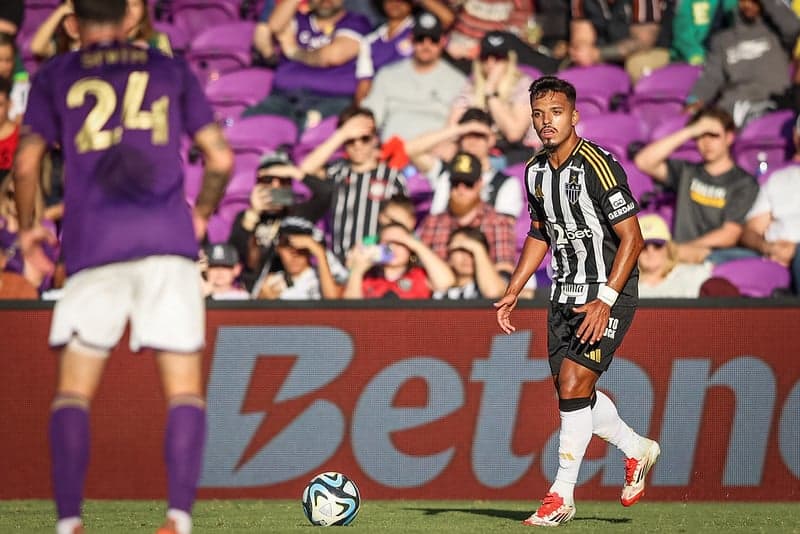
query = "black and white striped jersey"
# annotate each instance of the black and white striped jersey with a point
(357, 198)
(578, 204)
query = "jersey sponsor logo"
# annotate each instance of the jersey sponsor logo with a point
(574, 290)
(616, 200)
(621, 211)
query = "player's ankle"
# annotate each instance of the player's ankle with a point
(182, 519)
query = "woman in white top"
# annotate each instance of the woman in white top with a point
(660, 273)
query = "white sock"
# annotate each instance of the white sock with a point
(573, 439)
(607, 424)
(67, 525)
(183, 521)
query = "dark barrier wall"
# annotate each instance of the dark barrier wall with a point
(427, 403)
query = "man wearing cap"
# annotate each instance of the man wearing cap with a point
(465, 208)
(414, 95)
(222, 269)
(661, 275)
(254, 230)
(473, 135)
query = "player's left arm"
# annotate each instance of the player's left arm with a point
(218, 158)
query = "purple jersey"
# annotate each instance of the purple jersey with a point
(118, 112)
(378, 49)
(334, 81)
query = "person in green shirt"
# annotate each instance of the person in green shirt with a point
(693, 24)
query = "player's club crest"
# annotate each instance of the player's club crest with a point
(573, 186)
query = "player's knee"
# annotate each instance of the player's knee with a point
(572, 405)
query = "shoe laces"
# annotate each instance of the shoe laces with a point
(550, 503)
(630, 469)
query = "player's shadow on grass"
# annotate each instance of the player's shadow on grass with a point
(514, 515)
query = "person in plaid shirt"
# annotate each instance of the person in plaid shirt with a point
(465, 208)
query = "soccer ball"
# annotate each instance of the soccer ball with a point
(331, 499)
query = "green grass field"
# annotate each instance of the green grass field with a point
(416, 516)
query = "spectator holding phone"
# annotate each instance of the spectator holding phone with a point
(255, 230)
(399, 266)
(300, 244)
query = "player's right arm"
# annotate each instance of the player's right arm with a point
(533, 253)
(218, 158)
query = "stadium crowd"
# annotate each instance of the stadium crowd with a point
(381, 145)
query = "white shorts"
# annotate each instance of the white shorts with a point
(160, 295)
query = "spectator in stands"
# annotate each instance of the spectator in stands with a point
(694, 23)
(772, 227)
(414, 96)
(661, 275)
(551, 30)
(747, 67)
(475, 275)
(360, 180)
(308, 273)
(401, 266)
(476, 18)
(465, 208)
(140, 30)
(713, 197)
(315, 77)
(220, 270)
(57, 34)
(391, 41)
(37, 269)
(624, 32)
(12, 13)
(9, 130)
(474, 136)
(21, 86)
(255, 230)
(498, 87)
(400, 210)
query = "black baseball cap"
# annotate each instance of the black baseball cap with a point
(466, 168)
(222, 255)
(427, 25)
(495, 43)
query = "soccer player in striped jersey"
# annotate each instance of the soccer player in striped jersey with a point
(581, 207)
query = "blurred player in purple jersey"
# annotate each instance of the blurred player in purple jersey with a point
(129, 238)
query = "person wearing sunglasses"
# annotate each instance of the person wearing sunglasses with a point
(661, 275)
(712, 197)
(414, 95)
(359, 179)
(255, 229)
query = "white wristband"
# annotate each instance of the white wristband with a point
(607, 294)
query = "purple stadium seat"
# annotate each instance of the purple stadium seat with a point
(530, 70)
(244, 174)
(233, 92)
(662, 93)
(766, 139)
(194, 16)
(260, 134)
(612, 131)
(638, 182)
(596, 85)
(177, 37)
(36, 11)
(220, 49)
(311, 138)
(754, 277)
(219, 225)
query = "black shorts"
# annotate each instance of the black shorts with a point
(562, 325)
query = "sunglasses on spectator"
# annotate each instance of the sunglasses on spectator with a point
(422, 38)
(283, 181)
(658, 245)
(496, 55)
(364, 139)
(455, 182)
